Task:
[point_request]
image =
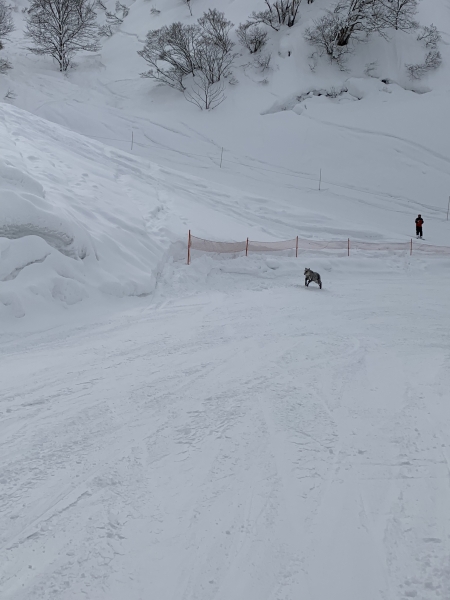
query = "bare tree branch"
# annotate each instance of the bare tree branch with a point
(61, 28)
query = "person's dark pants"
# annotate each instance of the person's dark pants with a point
(418, 231)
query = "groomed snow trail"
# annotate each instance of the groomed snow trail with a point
(251, 439)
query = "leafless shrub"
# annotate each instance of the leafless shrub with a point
(155, 12)
(326, 35)
(178, 50)
(252, 36)
(204, 94)
(430, 36)
(371, 68)
(216, 30)
(10, 95)
(332, 93)
(123, 9)
(433, 60)
(177, 46)
(113, 19)
(5, 65)
(105, 31)
(262, 61)
(277, 13)
(99, 4)
(312, 61)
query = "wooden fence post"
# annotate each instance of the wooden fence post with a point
(348, 246)
(189, 248)
(410, 249)
(246, 248)
(296, 248)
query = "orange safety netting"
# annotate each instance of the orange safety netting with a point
(270, 246)
(296, 244)
(210, 246)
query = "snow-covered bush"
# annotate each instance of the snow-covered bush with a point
(105, 30)
(251, 36)
(204, 49)
(433, 60)
(277, 13)
(353, 20)
(331, 34)
(122, 8)
(430, 36)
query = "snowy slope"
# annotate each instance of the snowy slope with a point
(219, 431)
(382, 139)
(241, 437)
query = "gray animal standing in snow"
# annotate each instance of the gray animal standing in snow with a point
(312, 276)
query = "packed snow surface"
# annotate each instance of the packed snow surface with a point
(219, 431)
(246, 438)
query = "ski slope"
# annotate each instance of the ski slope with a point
(219, 431)
(246, 438)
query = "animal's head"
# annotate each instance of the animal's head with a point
(307, 270)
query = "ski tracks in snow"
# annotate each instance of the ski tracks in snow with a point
(251, 439)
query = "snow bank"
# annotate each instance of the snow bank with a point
(77, 219)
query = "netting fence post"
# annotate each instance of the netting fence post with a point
(410, 248)
(296, 247)
(348, 246)
(189, 248)
(246, 248)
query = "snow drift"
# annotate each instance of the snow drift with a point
(77, 218)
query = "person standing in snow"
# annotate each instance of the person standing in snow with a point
(419, 223)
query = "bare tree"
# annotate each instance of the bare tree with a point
(6, 22)
(61, 28)
(216, 29)
(188, 2)
(277, 13)
(178, 50)
(399, 14)
(177, 46)
(204, 94)
(213, 62)
(252, 36)
(6, 26)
